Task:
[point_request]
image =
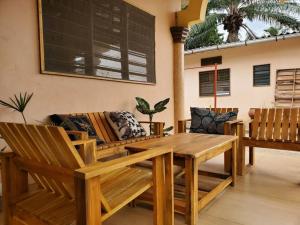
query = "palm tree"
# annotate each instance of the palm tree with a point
(233, 13)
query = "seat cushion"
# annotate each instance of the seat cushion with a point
(125, 125)
(76, 123)
(209, 122)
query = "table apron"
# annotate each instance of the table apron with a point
(213, 153)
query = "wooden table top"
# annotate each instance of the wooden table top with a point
(185, 144)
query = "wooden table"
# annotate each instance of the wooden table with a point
(189, 151)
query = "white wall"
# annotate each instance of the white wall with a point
(281, 55)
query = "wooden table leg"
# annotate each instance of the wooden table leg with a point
(233, 162)
(191, 185)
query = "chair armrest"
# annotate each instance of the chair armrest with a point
(82, 135)
(158, 127)
(7, 154)
(101, 168)
(82, 142)
(87, 150)
(234, 122)
(182, 125)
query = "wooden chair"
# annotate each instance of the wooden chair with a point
(270, 128)
(230, 128)
(68, 191)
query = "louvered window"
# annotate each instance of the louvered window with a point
(206, 80)
(261, 75)
(97, 38)
(287, 92)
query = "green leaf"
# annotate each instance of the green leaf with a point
(168, 129)
(143, 110)
(18, 103)
(160, 106)
(143, 103)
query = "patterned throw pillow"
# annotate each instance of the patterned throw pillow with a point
(125, 125)
(209, 122)
(76, 123)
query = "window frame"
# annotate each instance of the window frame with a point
(43, 70)
(212, 71)
(253, 75)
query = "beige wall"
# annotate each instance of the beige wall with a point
(19, 68)
(281, 55)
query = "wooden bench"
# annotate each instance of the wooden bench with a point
(270, 128)
(230, 128)
(106, 133)
(69, 191)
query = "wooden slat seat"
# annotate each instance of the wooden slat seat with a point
(71, 191)
(49, 208)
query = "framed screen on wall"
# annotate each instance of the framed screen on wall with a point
(103, 39)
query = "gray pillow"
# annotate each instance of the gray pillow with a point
(209, 122)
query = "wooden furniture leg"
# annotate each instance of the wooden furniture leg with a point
(158, 191)
(251, 149)
(191, 185)
(251, 156)
(233, 162)
(88, 201)
(241, 169)
(227, 155)
(169, 192)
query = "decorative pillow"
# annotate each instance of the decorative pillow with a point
(209, 122)
(125, 125)
(77, 123)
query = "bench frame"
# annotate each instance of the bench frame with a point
(271, 128)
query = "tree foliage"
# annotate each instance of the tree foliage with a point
(233, 13)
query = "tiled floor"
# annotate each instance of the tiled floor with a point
(268, 195)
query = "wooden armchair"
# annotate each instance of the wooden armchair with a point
(230, 128)
(69, 191)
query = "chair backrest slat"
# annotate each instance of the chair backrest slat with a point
(285, 124)
(263, 124)
(101, 126)
(45, 145)
(270, 125)
(14, 142)
(281, 124)
(255, 123)
(293, 126)
(277, 125)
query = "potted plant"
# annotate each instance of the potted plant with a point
(144, 107)
(17, 103)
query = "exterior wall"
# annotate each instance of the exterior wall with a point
(19, 68)
(281, 55)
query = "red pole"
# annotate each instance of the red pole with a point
(215, 86)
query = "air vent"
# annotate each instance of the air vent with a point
(211, 61)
